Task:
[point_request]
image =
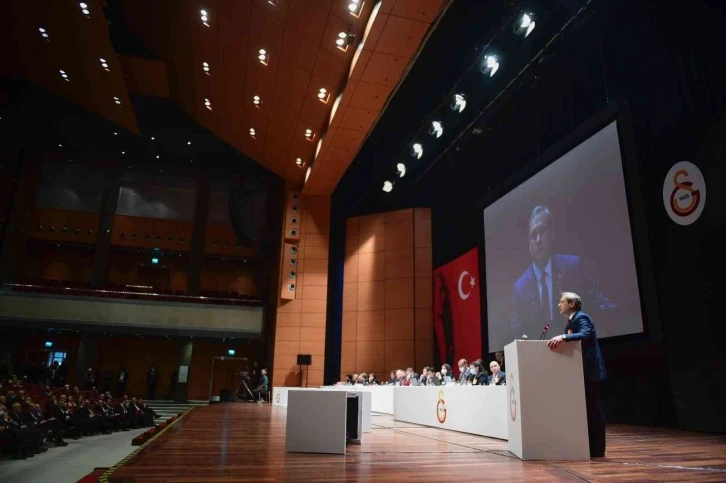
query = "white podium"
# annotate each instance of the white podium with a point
(317, 421)
(546, 414)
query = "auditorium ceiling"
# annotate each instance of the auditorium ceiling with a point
(295, 85)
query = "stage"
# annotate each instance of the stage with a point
(246, 442)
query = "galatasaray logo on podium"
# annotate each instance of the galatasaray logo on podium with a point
(441, 408)
(512, 398)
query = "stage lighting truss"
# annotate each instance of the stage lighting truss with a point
(436, 129)
(417, 150)
(458, 103)
(524, 24)
(490, 66)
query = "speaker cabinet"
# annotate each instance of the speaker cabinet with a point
(304, 359)
(293, 212)
(288, 281)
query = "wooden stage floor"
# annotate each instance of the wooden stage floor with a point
(246, 442)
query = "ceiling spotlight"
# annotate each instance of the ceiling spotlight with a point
(417, 151)
(205, 67)
(387, 186)
(490, 65)
(309, 134)
(524, 24)
(104, 64)
(189, 143)
(44, 33)
(64, 75)
(344, 40)
(117, 100)
(123, 152)
(272, 2)
(401, 168)
(355, 7)
(323, 95)
(252, 132)
(152, 138)
(84, 8)
(263, 56)
(299, 161)
(458, 103)
(157, 156)
(60, 145)
(256, 101)
(436, 129)
(207, 103)
(204, 16)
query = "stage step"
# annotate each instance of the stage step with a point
(168, 408)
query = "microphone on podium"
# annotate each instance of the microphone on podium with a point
(544, 332)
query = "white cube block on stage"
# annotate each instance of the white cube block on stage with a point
(366, 398)
(316, 421)
(279, 394)
(546, 413)
(381, 396)
(478, 410)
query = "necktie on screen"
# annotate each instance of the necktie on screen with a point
(546, 312)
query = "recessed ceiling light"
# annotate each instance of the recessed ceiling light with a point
(458, 103)
(204, 15)
(323, 95)
(263, 56)
(344, 40)
(256, 101)
(44, 33)
(355, 7)
(123, 152)
(115, 134)
(64, 75)
(387, 186)
(207, 103)
(299, 161)
(157, 156)
(152, 138)
(205, 67)
(117, 100)
(309, 134)
(104, 64)
(401, 168)
(436, 129)
(417, 151)
(60, 145)
(84, 8)
(490, 65)
(189, 143)
(252, 132)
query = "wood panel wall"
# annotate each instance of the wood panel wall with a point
(301, 322)
(387, 293)
(230, 275)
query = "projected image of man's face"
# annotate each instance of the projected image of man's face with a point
(541, 235)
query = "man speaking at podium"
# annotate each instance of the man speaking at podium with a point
(580, 327)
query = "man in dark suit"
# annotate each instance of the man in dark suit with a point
(498, 376)
(534, 294)
(580, 327)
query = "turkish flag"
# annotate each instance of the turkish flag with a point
(457, 309)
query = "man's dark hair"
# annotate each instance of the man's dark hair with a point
(539, 210)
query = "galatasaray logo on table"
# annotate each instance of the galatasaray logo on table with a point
(512, 398)
(441, 408)
(277, 398)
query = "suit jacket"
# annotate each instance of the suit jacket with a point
(584, 330)
(502, 378)
(567, 274)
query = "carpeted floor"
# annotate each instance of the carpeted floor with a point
(70, 463)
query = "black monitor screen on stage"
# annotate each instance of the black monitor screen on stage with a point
(565, 229)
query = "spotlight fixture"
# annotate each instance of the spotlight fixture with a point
(355, 7)
(401, 168)
(490, 66)
(436, 129)
(309, 134)
(189, 143)
(524, 24)
(115, 133)
(84, 9)
(157, 156)
(204, 15)
(123, 152)
(344, 40)
(252, 132)
(256, 101)
(44, 33)
(299, 161)
(272, 2)
(104, 64)
(323, 95)
(117, 100)
(417, 151)
(207, 103)
(458, 103)
(387, 186)
(205, 67)
(64, 75)
(263, 56)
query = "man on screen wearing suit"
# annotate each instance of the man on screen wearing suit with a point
(580, 327)
(534, 294)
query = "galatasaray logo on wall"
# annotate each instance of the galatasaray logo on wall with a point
(441, 408)
(512, 398)
(684, 193)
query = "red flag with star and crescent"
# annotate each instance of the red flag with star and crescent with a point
(457, 309)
